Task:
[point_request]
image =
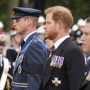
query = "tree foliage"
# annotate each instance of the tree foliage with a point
(79, 8)
(4, 13)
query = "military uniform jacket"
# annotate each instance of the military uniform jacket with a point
(69, 74)
(28, 73)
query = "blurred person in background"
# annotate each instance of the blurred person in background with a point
(75, 31)
(1, 27)
(4, 65)
(49, 44)
(85, 38)
(41, 21)
(41, 33)
(12, 51)
(40, 28)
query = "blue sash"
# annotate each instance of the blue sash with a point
(20, 57)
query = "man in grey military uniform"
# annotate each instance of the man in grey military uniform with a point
(28, 71)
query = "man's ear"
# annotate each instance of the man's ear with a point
(59, 24)
(28, 22)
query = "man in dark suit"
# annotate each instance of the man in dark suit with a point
(66, 67)
(28, 71)
(85, 38)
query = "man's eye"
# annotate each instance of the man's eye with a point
(17, 20)
(47, 22)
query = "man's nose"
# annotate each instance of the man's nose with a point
(13, 26)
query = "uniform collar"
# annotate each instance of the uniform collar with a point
(29, 35)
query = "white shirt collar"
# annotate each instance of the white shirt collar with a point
(29, 35)
(59, 41)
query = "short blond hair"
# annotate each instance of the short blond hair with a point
(61, 13)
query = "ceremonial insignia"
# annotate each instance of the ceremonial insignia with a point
(56, 81)
(19, 69)
(21, 58)
(18, 62)
(88, 77)
(57, 61)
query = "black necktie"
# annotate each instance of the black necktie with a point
(52, 49)
(22, 44)
(51, 52)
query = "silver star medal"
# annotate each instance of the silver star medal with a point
(56, 82)
(57, 61)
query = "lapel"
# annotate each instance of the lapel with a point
(49, 69)
(21, 55)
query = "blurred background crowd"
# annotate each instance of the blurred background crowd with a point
(80, 10)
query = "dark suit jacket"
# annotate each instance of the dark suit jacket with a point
(32, 66)
(86, 83)
(86, 86)
(72, 72)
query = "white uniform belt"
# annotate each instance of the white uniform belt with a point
(4, 73)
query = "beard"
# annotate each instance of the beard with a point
(50, 36)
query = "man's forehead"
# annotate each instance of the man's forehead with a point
(85, 29)
(87, 26)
